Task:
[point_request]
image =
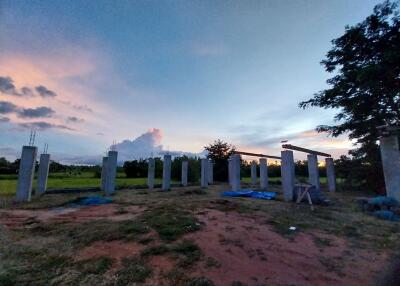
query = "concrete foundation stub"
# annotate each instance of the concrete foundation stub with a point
(166, 180)
(184, 176)
(43, 174)
(330, 174)
(263, 174)
(390, 153)
(111, 172)
(151, 173)
(288, 175)
(253, 170)
(236, 172)
(26, 173)
(313, 172)
(103, 174)
(204, 173)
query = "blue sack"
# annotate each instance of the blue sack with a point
(250, 194)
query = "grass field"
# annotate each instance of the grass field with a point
(8, 183)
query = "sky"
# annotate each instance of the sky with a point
(167, 75)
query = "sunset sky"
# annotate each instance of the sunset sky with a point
(180, 73)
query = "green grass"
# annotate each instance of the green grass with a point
(134, 270)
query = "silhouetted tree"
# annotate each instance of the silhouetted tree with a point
(366, 86)
(219, 152)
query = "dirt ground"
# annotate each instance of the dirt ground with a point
(190, 236)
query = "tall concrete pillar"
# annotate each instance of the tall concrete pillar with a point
(184, 176)
(43, 174)
(253, 169)
(390, 153)
(26, 173)
(210, 171)
(204, 173)
(151, 170)
(287, 173)
(263, 174)
(236, 172)
(230, 176)
(313, 172)
(330, 174)
(166, 180)
(111, 172)
(103, 174)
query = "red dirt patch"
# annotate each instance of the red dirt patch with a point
(20, 218)
(249, 251)
(116, 249)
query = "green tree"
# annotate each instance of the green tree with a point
(219, 152)
(365, 88)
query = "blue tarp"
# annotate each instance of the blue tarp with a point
(90, 201)
(387, 215)
(383, 201)
(251, 194)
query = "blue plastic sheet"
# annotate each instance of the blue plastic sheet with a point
(387, 215)
(90, 201)
(383, 201)
(250, 194)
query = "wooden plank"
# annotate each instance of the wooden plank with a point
(257, 155)
(309, 151)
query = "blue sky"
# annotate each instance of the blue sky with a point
(195, 70)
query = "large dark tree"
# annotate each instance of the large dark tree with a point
(219, 151)
(365, 88)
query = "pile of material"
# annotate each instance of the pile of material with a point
(382, 207)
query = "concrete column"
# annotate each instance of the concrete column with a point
(166, 180)
(236, 172)
(204, 173)
(390, 153)
(151, 170)
(330, 174)
(210, 170)
(253, 173)
(26, 173)
(230, 171)
(43, 174)
(287, 173)
(263, 174)
(313, 173)
(103, 174)
(184, 176)
(111, 172)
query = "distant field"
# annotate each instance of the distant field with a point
(8, 183)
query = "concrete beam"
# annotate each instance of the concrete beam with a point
(263, 174)
(151, 170)
(301, 149)
(330, 174)
(288, 175)
(43, 174)
(111, 172)
(313, 172)
(166, 180)
(256, 155)
(184, 176)
(390, 154)
(26, 173)
(204, 173)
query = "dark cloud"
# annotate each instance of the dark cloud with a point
(26, 91)
(7, 86)
(82, 108)
(37, 112)
(75, 119)
(4, 119)
(45, 92)
(7, 107)
(42, 125)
